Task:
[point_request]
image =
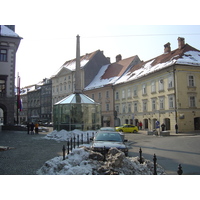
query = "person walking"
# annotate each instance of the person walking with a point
(176, 127)
(36, 128)
(163, 126)
(32, 128)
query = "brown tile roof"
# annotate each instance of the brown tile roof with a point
(175, 54)
(117, 68)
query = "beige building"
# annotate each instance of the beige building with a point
(63, 82)
(101, 88)
(165, 89)
(9, 43)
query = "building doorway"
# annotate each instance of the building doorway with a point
(197, 123)
(145, 123)
(167, 124)
(3, 114)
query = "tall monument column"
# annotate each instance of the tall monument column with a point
(78, 69)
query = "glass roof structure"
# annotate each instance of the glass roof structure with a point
(76, 98)
(77, 111)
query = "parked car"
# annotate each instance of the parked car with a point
(107, 129)
(104, 140)
(127, 128)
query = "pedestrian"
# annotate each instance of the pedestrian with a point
(36, 128)
(28, 128)
(140, 125)
(176, 127)
(163, 126)
(32, 128)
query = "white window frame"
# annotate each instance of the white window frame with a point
(144, 89)
(161, 103)
(170, 81)
(192, 101)
(191, 80)
(153, 87)
(161, 84)
(171, 101)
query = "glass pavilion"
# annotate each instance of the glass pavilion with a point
(76, 111)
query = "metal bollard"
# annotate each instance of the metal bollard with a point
(67, 146)
(154, 162)
(140, 156)
(78, 140)
(71, 144)
(63, 149)
(180, 171)
(82, 138)
(88, 138)
(74, 142)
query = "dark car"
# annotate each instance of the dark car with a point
(104, 140)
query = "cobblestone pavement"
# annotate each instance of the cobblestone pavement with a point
(28, 154)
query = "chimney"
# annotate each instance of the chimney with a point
(118, 58)
(78, 70)
(167, 48)
(108, 58)
(181, 42)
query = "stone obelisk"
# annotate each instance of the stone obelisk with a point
(78, 69)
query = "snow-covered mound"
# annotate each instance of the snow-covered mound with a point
(64, 135)
(83, 161)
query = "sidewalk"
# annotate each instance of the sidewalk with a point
(173, 133)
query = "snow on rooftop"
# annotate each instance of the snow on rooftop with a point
(188, 58)
(99, 82)
(72, 65)
(5, 31)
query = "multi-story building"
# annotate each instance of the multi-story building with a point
(101, 87)
(63, 82)
(9, 43)
(46, 101)
(165, 89)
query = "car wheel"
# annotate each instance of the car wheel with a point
(134, 131)
(120, 130)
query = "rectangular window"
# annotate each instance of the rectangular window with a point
(117, 95)
(161, 102)
(123, 94)
(129, 93)
(170, 82)
(153, 104)
(153, 87)
(92, 96)
(144, 90)
(135, 91)
(161, 85)
(129, 107)
(107, 94)
(123, 108)
(192, 101)
(144, 106)
(2, 87)
(107, 107)
(99, 95)
(3, 55)
(191, 81)
(171, 102)
(135, 107)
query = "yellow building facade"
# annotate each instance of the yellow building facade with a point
(164, 90)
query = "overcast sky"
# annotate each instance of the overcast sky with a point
(49, 31)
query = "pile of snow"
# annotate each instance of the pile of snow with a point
(64, 135)
(83, 161)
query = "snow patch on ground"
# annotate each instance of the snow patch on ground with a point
(80, 162)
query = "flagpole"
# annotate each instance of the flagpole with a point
(18, 89)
